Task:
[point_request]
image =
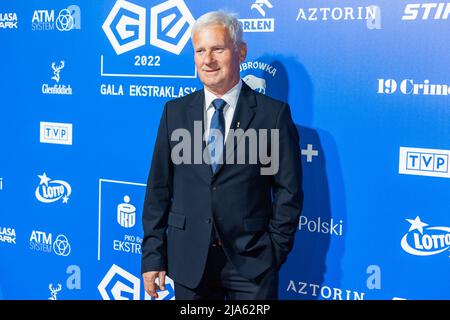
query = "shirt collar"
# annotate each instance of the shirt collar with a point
(231, 97)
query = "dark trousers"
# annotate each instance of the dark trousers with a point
(221, 281)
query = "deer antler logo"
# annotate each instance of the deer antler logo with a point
(56, 70)
(54, 291)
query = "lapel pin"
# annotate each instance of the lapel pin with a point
(238, 124)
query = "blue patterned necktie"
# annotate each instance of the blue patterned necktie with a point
(216, 133)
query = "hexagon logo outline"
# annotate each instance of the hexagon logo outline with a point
(174, 30)
(119, 287)
(123, 23)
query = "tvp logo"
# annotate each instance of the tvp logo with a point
(165, 25)
(424, 162)
(120, 210)
(119, 284)
(56, 133)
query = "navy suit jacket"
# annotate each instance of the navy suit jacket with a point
(256, 216)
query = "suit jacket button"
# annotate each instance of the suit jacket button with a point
(214, 188)
(208, 220)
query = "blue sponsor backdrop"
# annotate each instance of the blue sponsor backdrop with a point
(83, 84)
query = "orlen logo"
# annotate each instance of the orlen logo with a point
(50, 190)
(420, 241)
(170, 26)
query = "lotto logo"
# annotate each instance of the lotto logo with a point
(424, 162)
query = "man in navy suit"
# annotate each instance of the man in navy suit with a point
(221, 227)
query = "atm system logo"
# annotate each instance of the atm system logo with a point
(424, 162)
(423, 240)
(67, 19)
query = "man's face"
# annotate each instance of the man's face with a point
(216, 58)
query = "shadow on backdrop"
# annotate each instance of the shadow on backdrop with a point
(311, 264)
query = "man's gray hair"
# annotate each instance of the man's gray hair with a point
(228, 20)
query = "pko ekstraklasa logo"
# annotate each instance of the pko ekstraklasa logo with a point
(422, 240)
(50, 190)
(66, 19)
(170, 26)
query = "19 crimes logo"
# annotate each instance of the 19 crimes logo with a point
(422, 240)
(427, 11)
(424, 162)
(411, 87)
(8, 20)
(320, 226)
(67, 19)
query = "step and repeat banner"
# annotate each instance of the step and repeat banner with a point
(83, 85)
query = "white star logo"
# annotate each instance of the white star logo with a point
(44, 179)
(65, 199)
(416, 224)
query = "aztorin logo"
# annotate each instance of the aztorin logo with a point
(50, 190)
(170, 26)
(421, 241)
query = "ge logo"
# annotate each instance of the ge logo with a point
(69, 19)
(119, 284)
(61, 246)
(170, 26)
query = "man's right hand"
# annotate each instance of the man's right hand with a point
(150, 284)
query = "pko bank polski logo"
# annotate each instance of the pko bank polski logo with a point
(119, 284)
(424, 162)
(422, 240)
(170, 26)
(66, 19)
(50, 190)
